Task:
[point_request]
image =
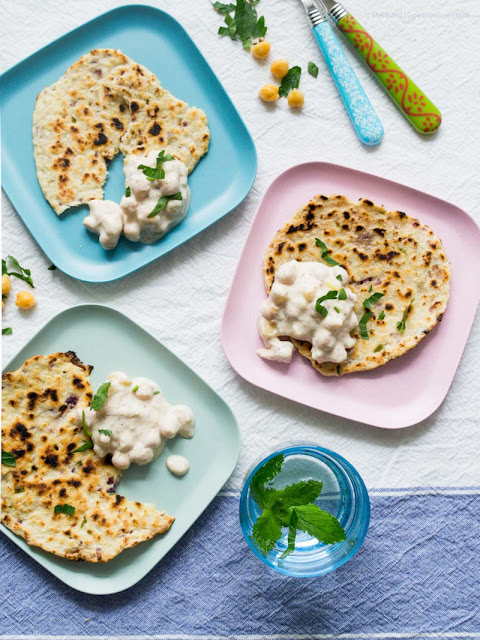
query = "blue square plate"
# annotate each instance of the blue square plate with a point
(112, 342)
(219, 183)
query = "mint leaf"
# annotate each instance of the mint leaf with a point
(7, 331)
(100, 397)
(369, 302)
(105, 432)
(402, 324)
(8, 459)
(319, 524)
(325, 256)
(84, 447)
(84, 425)
(312, 69)
(290, 81)
(128, 192)
(363, 324)
(298, 494)
(21, 273)
(292, 534)
(382, 315)
(52, 267)
(157, 172)
(64, 508)
(265, 474)
(162, 203)
(267, 530)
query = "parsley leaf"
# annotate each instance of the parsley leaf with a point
(223, 8)
(162, 203)
(312, 69)
(363, 324)
(290, 81)
(7, 331)
(244, 24)
(64, 508)
(100, 397)
(267, 530)
(8, 459)
(373, 299)
(319, 524)
(157, 172)
(329, 260)
(401, 325)
(21, 273)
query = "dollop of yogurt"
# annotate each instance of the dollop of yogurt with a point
(290, 311)
(178, 465)
(149, 208)
(135, 421)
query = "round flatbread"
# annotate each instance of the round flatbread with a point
(103, 104)
(39, 429)
(382, 251)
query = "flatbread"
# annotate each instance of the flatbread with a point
(389, 251)
(39, 404)
(103, 104)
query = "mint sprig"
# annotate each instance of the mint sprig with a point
(291, 507)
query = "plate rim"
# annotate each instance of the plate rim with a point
(400, 424)
(253, 166)
(31, 551)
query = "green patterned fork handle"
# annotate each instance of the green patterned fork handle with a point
(422, 114)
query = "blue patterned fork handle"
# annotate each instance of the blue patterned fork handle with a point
(362, 114)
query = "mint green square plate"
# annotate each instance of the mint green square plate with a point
(112, 342)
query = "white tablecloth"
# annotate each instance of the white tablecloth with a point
(438, 45)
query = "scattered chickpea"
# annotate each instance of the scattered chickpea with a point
(6, 285)
(269, 93)
(295, 99)
(261, 50)
(25, 300)
(279, 68)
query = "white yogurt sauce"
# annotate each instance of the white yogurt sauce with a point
(137, 420)
(134, 210)
(106, 220)
(290, 311)
(178, 465)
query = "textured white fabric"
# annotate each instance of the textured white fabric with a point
(439, 47)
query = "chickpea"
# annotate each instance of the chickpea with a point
(279, 68)
(25, 300)
(269, 93)
(295, 99)
(261, 50)
(6, 285)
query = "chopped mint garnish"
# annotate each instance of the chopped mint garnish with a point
(363, 324)
(373, 299)
(401, 325)
(329, 260)
(162, 203)
(8, 459)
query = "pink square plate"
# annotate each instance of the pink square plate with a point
(404, 391)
